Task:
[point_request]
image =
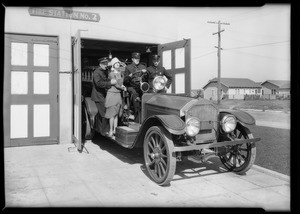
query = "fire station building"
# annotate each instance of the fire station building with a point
(50, 51)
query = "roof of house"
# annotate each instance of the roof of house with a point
(279, 83)
(235, 83)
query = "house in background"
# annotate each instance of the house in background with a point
(271, 88)
(232, 88)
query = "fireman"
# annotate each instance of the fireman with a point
(157, 70)
(132, 81)
(101, 83)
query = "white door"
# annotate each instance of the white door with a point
(30, 90)
(176, 58)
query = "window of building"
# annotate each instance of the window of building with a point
(19, 54)
(41, 55)
(167, 59)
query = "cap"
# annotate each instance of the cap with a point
(103, 59)
(136, 55)
(155, 57)
(114, 61)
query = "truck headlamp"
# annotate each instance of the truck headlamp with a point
(228, 123)
(192, 126)
(159, 83)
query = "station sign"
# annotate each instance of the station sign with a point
(64, 14)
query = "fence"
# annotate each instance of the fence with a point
(257, 97)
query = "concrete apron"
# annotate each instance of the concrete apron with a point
(107, 175)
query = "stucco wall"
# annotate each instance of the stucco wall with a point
(266, 91)
(119, 24)
(210, 93)
(243, 91)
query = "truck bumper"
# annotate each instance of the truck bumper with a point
(214, 145)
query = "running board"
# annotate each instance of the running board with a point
(125, 135)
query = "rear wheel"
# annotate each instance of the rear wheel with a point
(240, 158)
(159, 157)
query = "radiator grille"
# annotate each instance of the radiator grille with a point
(208, 116)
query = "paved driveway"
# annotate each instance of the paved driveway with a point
(111, 176)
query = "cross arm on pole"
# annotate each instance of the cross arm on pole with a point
(218, 32)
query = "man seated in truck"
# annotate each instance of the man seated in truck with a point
(157, 70)
(132, 75)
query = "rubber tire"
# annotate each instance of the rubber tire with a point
(169, 159)
(251, 153)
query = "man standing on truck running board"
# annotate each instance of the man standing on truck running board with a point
(101, 83)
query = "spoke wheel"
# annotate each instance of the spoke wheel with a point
(240, 158)
(159, 158)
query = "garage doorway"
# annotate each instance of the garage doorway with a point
(92, 50)
(175, 57)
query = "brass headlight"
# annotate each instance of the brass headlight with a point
(159, 83)
(228, 123)
(192, 126)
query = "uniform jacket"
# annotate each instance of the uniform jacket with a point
(134, 81)
(101, 84)
(153, 71)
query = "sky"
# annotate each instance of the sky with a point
(256, 43)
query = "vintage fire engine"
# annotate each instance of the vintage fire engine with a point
(175, 128)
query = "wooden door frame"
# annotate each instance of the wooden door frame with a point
(7, 97)
(186, 44)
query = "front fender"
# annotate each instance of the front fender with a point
(242, 116)
(172, 123)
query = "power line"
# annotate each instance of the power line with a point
(272, 43)
(204, 55)
(256, 34)
(234, 39)
(257, 55)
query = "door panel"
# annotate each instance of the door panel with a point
(76, 86)
(31, 80)
(176, 58)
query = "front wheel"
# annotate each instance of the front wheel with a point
(159, 157)
(240, 158)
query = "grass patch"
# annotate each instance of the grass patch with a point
(283, 105)
(273, 151)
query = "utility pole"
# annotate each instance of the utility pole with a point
(219, 55)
